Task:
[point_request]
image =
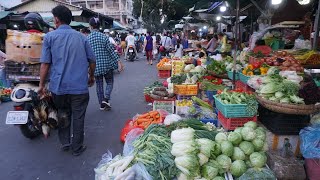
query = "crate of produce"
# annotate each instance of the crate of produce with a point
(244, 87)
(180, 89)
(22, 72)
(230, 75)
(233, 110)
(167, 105)
(243, 78)
(192, 89)
(183, 106)
(164, 73)
(233, 123)
(283, 124)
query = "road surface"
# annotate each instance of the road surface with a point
(24, 159)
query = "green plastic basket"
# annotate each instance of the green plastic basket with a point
(243, 78)
(230, 75)
(233, 110)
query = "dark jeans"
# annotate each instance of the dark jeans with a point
(71, 108)
(104, 95)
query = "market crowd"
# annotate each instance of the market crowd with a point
(74, 61)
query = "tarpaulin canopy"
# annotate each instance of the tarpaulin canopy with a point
(117, 25)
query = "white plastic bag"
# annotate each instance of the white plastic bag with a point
(130, 138)
(171, 119)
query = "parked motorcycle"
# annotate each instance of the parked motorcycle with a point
(33, 115)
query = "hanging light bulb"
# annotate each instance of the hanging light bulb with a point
(223, 8)
(276, 2)
(303, 2)
(218, 18)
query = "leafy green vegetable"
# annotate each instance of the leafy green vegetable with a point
(184, 147)
(235, 138)
(184, 134)
(238, 154)
(295, 99)
(238, 167)
(254, 174)
(251, 124)
(227, 148)
(153, 149)
(248, 133)
(202, 159)
(210, 169)
(218, 178)
(246, 147)
(178, 79)
(258, 144)
(225, 162)
(188, 164)
(220, 137)
(207, 85)
(217, 67)
(257, 160)
(206, 146)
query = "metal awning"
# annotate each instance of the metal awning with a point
(117, 25)
(4, 14)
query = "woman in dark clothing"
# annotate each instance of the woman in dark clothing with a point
(149, 47)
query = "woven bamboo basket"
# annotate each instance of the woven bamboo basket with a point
(294, 109)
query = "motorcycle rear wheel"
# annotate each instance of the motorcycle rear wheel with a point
(28, 130)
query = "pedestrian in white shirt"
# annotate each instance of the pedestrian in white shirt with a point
(130, 39)
(166, 43)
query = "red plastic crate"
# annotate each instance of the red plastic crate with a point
(243, 86)
(233, 123)
(164, 73)
(148, 98)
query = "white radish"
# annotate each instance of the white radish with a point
(125, 174)
(126, 163)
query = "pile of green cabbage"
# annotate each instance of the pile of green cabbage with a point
(233, 152)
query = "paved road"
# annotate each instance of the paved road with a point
(24, 159)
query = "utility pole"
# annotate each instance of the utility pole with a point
(316, 29)
(236, 42)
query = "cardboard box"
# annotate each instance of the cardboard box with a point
(23, 46)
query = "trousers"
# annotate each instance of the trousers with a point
(71, 112)
(104, 95)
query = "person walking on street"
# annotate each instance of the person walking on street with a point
(111, 40)
(123, 42)
(67, 54)
(107, 61)
(130, 39)
(149, 47)
(166, 43)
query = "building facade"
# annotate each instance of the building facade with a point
(120, 10)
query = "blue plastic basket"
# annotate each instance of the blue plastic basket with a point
(244, 78)
(214, 121)
(230, 75)
(182, 97)
(210, 95)
(233, 110)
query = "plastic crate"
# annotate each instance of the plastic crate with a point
(243, 78)
(22, 72)
(186, 89)
(148, 98)
(230, 75)
(182, 110)
(214, 121)
(182, 97)
(233, 110)
(210, 95)
(243, 86)
(282, 124)
(233, 123)
(164, 73)
(192, 89)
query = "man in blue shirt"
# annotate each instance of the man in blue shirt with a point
(71, 61)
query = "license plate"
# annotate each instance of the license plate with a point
(17, 117)
(130, 50)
